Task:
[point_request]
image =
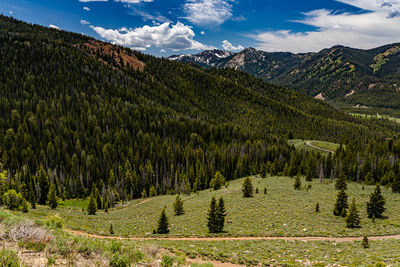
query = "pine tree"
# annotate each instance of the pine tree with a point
(32, 200)
(220, 215)
(162, 227)
(341, 182)
(178, 206)
(396, 185)
(317, 207)
(247, 188)
(265, 190)
(43, 181)
(341, 204)
(376, 204)
(24, 206)
(297, 183)
(353, 218)
(212, 221)
(52, 197)
(111, 229)
(257, 190)
(217, 181)
(365, 242)
(309, 173)
(92, 206)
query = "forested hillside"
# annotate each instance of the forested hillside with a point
(359, 77)
(76, 112)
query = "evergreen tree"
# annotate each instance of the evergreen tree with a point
(92, 206)
(111, 229)
(218, 181)
(247, 188)
(178, 206)
(376, 204)
(341, 204)
(212, 221)
(44, 184)
(317, 207)
(257, 190)
(341, 182)
(52, 197)
(32, 199)
(162, 227)
(297, 183)
(353, 218)
(365, 242)
(24, 206)
(396, 185)
(152, 191)
(220, 215)
(265, 190)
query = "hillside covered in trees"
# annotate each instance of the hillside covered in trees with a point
(356, 76)
(76, 112)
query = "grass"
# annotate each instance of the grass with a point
(377, 116)
(281, 212)
(302, 145)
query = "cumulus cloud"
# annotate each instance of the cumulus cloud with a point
(379, 24)
(51, 26)
(165, 36)
(228, 46)
(208, 12)
(84, 22)
(86, 8)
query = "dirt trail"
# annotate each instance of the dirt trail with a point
(244, 238)
(130, 206)
(309, 143)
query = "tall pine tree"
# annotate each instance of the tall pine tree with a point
(247, 188)
(44, 183)
(162, 226)
(353, 218)
(53, 197)
(376, 204)
(212, 222)
(341, 204)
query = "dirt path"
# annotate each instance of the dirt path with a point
(309, 143)
(129, 206)
(297, 238)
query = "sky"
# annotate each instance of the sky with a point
(165, 27)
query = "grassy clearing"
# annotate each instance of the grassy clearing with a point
(376, 116)
(283, 211)
(300, 144)
(294, 253)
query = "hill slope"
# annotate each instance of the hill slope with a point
(365, 77)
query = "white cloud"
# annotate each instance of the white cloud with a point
(177, 37)
(163, 51)
(84, 22)
(10, 12)
(86, 1)
(208, 12)
(86, 8)
(54, 27)
(228, 46)
(133, 1)
(147, 16)
(378, 25)
(202, 32)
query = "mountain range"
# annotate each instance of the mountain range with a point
(359, 77)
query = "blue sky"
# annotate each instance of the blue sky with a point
(163, 27)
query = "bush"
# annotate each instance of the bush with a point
(115, 246)
(28, 231)
(9, 258)
(12, 199)
(167, 261)
(54, 221)
(119, 261)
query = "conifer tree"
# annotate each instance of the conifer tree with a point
(317, 207)
(396, 185)
(32, 200)
(341, 182)
(212, 222)
(247, 188)
(52, 197)
(162, 227)
(218, 181)
(353, 218)
(341, 204)
(92, 206)
(257, 190)
(365, 242)
(43, 181)
(178, 206)
(376, 204)
(220, 215)
(111, 229)
(297, 183)
(24, 206)
(265, 190)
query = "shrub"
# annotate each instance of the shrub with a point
(9, 258)
(28, 231)
(12, 199)
(365, 243)
(167, 261)
(297, 183)
(119, 261)
(54, 221)
(115, 246)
